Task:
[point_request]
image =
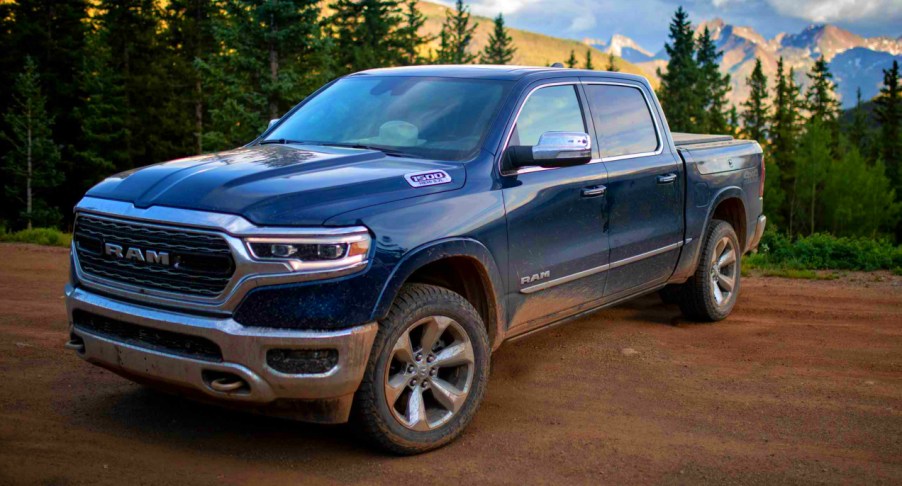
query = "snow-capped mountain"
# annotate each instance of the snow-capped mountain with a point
(855, 61)
(621, 46)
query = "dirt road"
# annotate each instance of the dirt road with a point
(803, 384)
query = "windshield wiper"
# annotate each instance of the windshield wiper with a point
(385, 150)
(284, 141)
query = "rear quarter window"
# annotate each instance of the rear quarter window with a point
(623, 122)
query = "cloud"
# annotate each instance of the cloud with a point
(838, 10)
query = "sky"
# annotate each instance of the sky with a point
(646, 21)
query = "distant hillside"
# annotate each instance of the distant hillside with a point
(532, 49)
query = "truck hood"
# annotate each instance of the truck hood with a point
(279, 185)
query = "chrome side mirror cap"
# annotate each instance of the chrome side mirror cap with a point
(555, 149)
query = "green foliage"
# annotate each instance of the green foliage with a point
(811, 163)
(824, 252)
(30, 168)
(889, 114)
(679, 89)
(367, 34)
(500, 49)
(755, 115)
(37, 236)
(612, 64)
(456, 36)
(271, 55)
(411, 41)
(857, 198)
(821, 101)
(589, 64)
(571, 61)
(712, 87)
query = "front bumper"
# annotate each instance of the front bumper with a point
(244, 350)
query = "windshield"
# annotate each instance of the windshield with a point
(425, 117)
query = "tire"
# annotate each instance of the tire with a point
(448, 381)
(711, 293)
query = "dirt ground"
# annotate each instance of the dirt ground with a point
(802, 384)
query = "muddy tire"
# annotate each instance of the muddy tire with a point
(710, 294)
(427, 372)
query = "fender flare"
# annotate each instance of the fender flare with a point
(439, 250)
(692, 250)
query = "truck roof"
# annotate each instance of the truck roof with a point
(483, 71)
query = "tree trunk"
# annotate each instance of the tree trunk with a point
(199, 115)
(29, 174)
(273, 67)
(813, 198)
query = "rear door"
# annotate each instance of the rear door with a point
(644, 187)
(558, 246)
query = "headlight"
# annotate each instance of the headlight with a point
(313, 253)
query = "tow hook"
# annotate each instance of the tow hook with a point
(76, 344)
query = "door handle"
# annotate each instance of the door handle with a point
(594, 191)
(667, 178)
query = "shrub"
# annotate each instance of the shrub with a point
(38, 236)
(825, 252)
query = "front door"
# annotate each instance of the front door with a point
(644, 188)
(555, 217)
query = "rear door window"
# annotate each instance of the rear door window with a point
(622, 119)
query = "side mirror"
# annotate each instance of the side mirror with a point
(273, 122)
(555, 149)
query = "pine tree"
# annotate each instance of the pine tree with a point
(456, 36)
(821, 101)
(612, 63)
(368, 34)
(571, 61)
(188, 37)
(812, 161)
(272, 54)
(755, 116)
(713, 86)
(589, 64)
(411, 40)
(858, 198)
(733, 124)
(500, 49)
(30, 168)
(889, 114)
(784, 133)
(678, 91)
(859, 132)
(53, 34)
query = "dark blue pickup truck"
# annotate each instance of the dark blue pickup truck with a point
(364, 257)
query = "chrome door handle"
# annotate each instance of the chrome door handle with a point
(667, 178)
(594, 191)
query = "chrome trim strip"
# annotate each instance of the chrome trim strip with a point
(658, 150)
(603, 268)
(249, 272)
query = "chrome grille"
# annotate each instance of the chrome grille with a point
(200, 264)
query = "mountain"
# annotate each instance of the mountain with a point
(855, 61)
(532, 49)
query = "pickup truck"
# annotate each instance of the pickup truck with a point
(363, 258)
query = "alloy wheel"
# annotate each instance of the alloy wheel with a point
(724, 270)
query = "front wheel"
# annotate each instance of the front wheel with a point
(711, 293)
(427, 371)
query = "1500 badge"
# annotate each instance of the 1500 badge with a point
(428, 178)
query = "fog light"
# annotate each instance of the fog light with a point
(302, 361)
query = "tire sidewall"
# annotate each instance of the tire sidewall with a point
(389, 332)
(718, 231)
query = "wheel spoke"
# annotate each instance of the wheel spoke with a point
(726, 283)
(456, 355)
(403, 349)
(718, 295)
(718, 249)
(432, 331)
(416, 410)
(395, 387)
(447, 395)
(727, 258)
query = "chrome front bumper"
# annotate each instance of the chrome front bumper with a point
(243, 355)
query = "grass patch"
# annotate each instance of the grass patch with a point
(38, 236)
(779, 253)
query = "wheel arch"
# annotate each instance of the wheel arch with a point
(462, 265)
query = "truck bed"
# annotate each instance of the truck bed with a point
(681, 139)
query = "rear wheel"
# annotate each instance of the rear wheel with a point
(427, 371)
(711, 293)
